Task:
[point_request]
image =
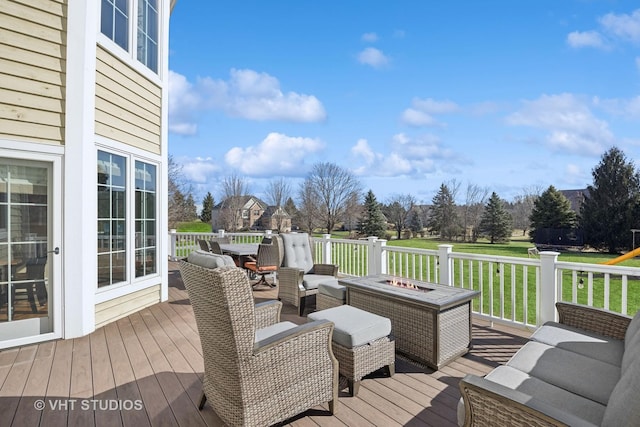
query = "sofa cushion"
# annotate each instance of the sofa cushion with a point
(271, 330)
(333, 289)
(353, 326)
(623, 408)
(631, 353)
(634, 327)
(579, 341)
(297, 251)
(209, 260)
(590, 378)
(579, 406)
(312, 281)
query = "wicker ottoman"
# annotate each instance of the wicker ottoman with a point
(361, 342)
(330, 294)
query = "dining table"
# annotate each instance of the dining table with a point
(239, 249)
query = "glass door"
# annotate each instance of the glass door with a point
(25, 249)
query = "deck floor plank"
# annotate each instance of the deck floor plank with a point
(154, 357)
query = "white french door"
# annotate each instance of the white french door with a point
(29, 259)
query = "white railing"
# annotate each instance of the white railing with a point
(516, 291)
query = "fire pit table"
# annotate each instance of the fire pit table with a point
(431, 323)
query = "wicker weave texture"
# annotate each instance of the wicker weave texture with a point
(327, 301)
(594, 320)
(359, 361)
(488, 410)
(247, 385)
(421, 332)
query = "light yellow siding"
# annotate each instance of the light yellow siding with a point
(32, 70)
(112, 310)
(128, 105)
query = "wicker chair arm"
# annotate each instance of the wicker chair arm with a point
(267, 313)
(299, 332)
(491, 404)
(290, 275)
(596, 320)
(326, 269)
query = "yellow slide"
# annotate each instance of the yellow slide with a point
(624, 257)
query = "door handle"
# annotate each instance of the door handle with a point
(56, 251)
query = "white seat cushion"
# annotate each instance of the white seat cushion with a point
(209, 260)
(354, 327)
(269, 331)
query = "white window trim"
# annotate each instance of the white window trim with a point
(131, 283)
(130, 57)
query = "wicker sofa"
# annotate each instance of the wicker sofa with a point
(583, 370)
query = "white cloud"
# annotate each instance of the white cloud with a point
(578, 39)
(373, 57)
(184, 102)
(422, 111)
(613, 27)
(369, 37)
(624, 26)
(257, 96)
(199, 170)
(408, 157)
(629, 108)
(568, 121)
(246, 94)
(276, 154)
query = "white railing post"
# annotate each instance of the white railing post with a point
(445, 264)
(220, 233)
(377, 260)
(548, 292)
(172, 243)
(268, 233)
(326, 249)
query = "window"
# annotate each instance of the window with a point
(112, 222)
(116, 25)
(127, 220)
(148, 33)
(145, 245)
(114, 21)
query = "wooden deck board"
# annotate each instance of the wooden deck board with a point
(154, 357)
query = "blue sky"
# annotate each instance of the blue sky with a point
(508, 95)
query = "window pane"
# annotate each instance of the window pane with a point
(150, 205)
(118, 267)
(147, 37)
(118, 203)
(106, 19)
(104, 202)
(104, 270)
(121, 36)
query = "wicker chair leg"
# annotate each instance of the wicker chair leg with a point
(354, 387)
(333, 406)
(391, 369)
(203, 399)
(301, 306)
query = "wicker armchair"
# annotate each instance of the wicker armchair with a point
(257, 371)
(298, 276)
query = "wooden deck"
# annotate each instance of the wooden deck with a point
(145, 370)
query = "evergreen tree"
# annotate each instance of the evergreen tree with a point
(190, 210)
(415, 222)
(372, 222)
(292, 210)
(207, 208)
(496, 221)
(444, 214)
(610, 209)
(551, 210)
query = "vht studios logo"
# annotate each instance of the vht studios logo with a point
(88, 404)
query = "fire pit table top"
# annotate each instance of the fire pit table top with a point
(430, 294)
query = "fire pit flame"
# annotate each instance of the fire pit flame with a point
(398, 282)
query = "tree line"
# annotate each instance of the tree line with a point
(332, 197)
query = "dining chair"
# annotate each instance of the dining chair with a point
(266, 262)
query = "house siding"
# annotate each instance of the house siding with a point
(117, 308)
(32, 70)
(128, 105)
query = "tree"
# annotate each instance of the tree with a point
(496, 221)
(444, 217)
(372, 222)
(292, 210)
(611, 205)
(180, 207)
(551, 210)
(309, 211)
(332, 186)
(190, 209)
(207, 208)
(397, 211)
(415, 223)
(278, 191)
(472, 210)
(234, 188)
(523, 206)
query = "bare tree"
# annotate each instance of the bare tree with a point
(277, 193)
(332, 186)
(523, 206)
(309, 210)
(180, 195)
(352, 212)
(476, 197)
(397, 211)
(234, 188)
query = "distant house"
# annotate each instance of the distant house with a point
(575, 197)
(83, 164)
(237, 213)
(274, 218)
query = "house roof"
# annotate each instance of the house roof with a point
(244, 201)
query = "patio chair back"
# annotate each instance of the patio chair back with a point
(297, 251)
(215, 247)
(204, 245)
